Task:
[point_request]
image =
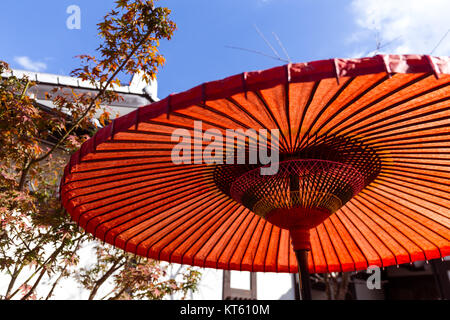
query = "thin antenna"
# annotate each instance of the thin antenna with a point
(381, 46)
(282, 47)
(258, 52)
(266, 41)
(440, 41)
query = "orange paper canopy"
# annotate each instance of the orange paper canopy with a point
(123, 187)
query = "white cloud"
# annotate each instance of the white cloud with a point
(413, 26)
(30, 65)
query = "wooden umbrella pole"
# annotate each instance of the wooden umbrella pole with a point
(301, 238)
(303, 274)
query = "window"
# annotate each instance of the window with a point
(239, 285)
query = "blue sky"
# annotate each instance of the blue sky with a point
(34, 33)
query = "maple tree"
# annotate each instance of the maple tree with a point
(38, 241)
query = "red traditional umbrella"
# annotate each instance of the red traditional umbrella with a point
(363, 171)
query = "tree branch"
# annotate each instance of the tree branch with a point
(50, 260)
(92, 104)
(105, 277)
(55, 283)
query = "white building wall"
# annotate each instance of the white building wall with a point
(275, 286)
(210, 287)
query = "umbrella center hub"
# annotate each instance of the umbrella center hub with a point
(302, 193)
(309, 186)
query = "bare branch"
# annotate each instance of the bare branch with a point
(282, 46)
(266, 41)
(257, 52)
(440, 41)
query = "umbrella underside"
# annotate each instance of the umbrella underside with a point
(366, 142)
